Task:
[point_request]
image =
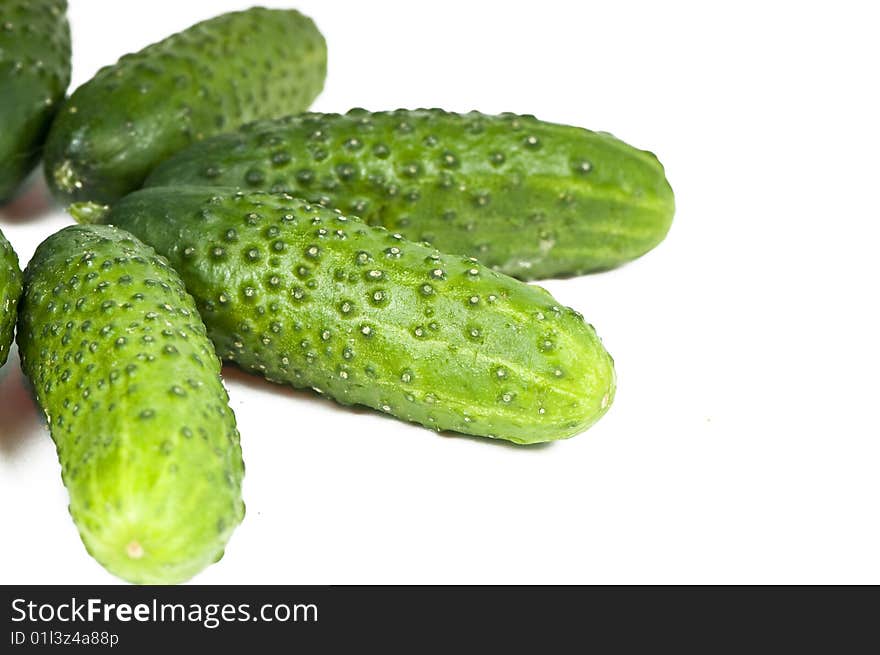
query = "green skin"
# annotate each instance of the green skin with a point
(10, 292)
(123, 369)
(528, 198)
(302, 295)
(34, 74)
(210, 78)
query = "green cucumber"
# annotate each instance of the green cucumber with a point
(210, 78)
(303, 295)
(130, 385)
(34, 74)
(528, 198)
(10, 291)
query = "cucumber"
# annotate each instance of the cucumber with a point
(528, 198)
(303, 295)
(210, 78)
(10, 291)
(34, 74)
(123, 369)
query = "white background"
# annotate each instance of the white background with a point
(743, 446)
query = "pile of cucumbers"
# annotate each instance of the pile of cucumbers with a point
(379, 258)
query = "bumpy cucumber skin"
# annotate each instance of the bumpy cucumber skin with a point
(123, 369)
(528, 198)
(210, 78)
(303, 295)
(10, 292)
(34, 74)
